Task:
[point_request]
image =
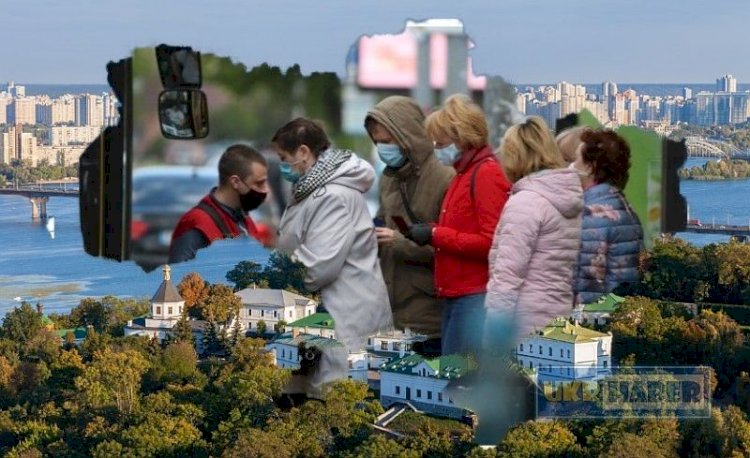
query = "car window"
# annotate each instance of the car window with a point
(170, 193)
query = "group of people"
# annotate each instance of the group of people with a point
(472, 247)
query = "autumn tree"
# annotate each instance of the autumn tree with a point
(220, 304)
(195, 291)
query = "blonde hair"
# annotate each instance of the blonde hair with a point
(529, 147)
(569, 140)
(461, 120)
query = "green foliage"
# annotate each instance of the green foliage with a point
(113, 379)
(25, 173)
(712, 339)
(538, 439)
(718, 170)
(21, 324)
(244, 274)
(280, 273)
(261, 328)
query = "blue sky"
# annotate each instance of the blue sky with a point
(659, 41)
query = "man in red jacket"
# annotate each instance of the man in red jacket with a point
(222, 214)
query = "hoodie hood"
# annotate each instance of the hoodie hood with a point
(403, 118)
(561, 188)
(356, 173)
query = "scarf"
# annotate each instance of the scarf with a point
(320, 173)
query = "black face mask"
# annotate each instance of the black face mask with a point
(252, 200)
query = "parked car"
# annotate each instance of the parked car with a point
(161, 195)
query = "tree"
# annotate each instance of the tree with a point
(179, 362)
(261, 328)
(380, 446)
(113, 378)
(220, 303)
(283, 273)
(537, 439)
(183, 332)
(195, 291)
(21, 324)
(280, 326)
(212, 344)
(91, 312)
(244, 274)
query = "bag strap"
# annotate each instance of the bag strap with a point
(218, 220)
(407, 207)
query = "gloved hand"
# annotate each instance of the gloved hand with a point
(420, 233)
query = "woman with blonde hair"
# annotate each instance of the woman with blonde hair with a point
(469, 213)
(569, 140)
(535, 249)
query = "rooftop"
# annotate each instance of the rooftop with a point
(310, 340)
(562, 330)
(271, 297)
(448, 367)
(316, 320)
(167, 291)
(78, 333)
(606, 303)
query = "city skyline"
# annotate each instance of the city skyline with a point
(648, 42)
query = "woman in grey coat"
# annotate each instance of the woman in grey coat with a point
(327, 227)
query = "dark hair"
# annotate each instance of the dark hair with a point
(238, 160)
(609, 157)
(301, 131)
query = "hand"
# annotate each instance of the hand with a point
(385, 235)
(420, 233)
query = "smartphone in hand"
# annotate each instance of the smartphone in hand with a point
(401, 224)
(378, 222)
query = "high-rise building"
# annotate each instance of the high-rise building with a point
(109, 102)
(64, 110)
(69, 135)
(19, 91)
(24, 110)
(609, 89)
(5, 100)
(44, 112)
(81, 103)
(26, 146)
(7, 145)
(687, 93)
(726, 83)
(94, 110)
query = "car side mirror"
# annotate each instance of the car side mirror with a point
(183, 114)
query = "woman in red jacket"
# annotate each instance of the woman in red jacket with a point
(470, 212)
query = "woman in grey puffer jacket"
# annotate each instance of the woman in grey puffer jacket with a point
(612, 237)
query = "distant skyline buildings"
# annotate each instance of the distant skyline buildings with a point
(726, 83)
(37, 128)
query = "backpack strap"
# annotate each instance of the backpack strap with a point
(218, 220)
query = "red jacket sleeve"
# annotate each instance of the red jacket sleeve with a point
(491, 190)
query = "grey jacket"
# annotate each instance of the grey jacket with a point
(332, 234)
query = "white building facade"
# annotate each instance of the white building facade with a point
(565, 351)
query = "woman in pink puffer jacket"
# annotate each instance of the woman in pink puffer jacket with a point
(536, 244)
